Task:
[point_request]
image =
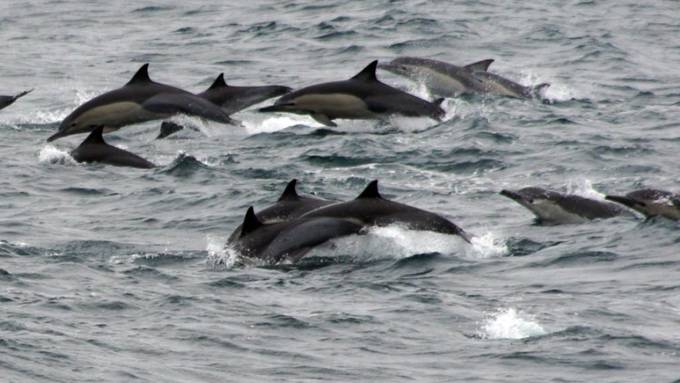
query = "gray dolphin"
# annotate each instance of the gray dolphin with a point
(290, 205)
(448, 80)
(95, 149)
(288, 240)
(6, 101)
(552, 207)
(140, 100)
(371, 209)
(361, 97)
(651, 202)
(233, 99)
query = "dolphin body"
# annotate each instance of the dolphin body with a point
(651, 203)
(140, 100)
(290, 240)
(448, 80)
(6, 101)
(233, 99)
(551, 207)
(361, 97)
(290, 205)
(95, 149)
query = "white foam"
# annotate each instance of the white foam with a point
(555, 92)
(276, 123)
(584, 188)
(487, 246)
(219, 256)
(50, 154)
(508, 323)
(390, 242)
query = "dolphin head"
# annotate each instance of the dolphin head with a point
(403, 66)
(651, 202)
(530, 195)
(545, 204)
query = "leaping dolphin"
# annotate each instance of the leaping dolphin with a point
(651, 202)
(140, 100)
(361, 97)
(233, 99)
(551, 207)
(95, 149)
(290, 205)
(448, 80)
(6, 101)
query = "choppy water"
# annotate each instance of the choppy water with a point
(116, 274)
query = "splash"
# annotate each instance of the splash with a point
(276, 123)
(584, 188)
(219, 256)
(389, 242)
(487, 246)
(52, 155)
(510, 324)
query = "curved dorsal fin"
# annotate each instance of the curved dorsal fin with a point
(368, 73)
(250, 222)
(439, 101)
(218, 83)
(371, 191)
(95, 136)
(480, 65)
(142, 75)
(289, 193)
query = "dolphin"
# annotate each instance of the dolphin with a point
(168, 128)
(288, 241)
(140, 100)
(6, 101)
(552, 207)
(361, 97)
(95, 149)
(371, 209)
(233, 99)
(448, 80)
(651, 202)
(290, 205)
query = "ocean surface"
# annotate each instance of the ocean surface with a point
(114, 274)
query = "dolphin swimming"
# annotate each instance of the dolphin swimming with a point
(6, 101)
(275, 241)
(361, 97)
(95, 149)
(371, 209)
(651, 202)
(551, 207)
(140, 100)
(233, 99)
(448, 80)
(290, 205)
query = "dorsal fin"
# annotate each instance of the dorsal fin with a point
(142, 75)
(368, 73)
(218, 83)
(250, 222)
(289, 193)
(439, 101)
(480, 65)
(95, 136)
(371, 191)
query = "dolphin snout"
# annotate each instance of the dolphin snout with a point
(511, 194)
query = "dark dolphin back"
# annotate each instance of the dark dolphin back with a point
(95, 149)
(590, 208)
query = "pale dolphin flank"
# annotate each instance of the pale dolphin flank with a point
(551, 207)
(95, 149)
(290, 205)
(233, 99)
(361, 97)
(651, 202)
(448, 80)
(6, 101)
(140, 100)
